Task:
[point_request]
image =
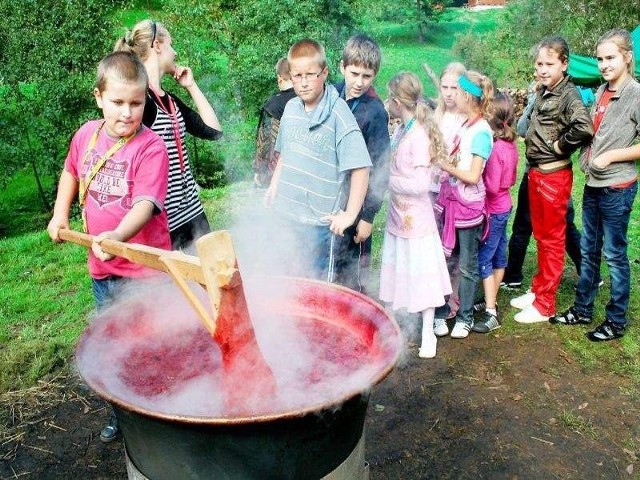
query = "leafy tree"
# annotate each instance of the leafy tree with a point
(50, 52)
(505, 54)
(233, 47)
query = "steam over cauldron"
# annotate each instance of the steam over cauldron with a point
(160, 369)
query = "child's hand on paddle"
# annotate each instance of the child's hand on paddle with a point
(55, 224)
(97, 249)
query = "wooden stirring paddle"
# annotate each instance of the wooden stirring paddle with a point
(248, 380)
(241, 356)
(180, 266)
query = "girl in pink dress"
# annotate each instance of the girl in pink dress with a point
(413, 274)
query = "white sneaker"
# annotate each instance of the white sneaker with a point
(530, 315)
(440, 327)
(460, 330)
(523, 301)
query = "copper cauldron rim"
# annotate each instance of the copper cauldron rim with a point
(271, 417)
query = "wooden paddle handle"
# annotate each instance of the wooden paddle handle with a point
(188, 265)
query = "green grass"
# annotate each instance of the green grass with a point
(402, 51)
(46, 300)
(44, 303)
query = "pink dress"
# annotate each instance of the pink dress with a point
(414, 272)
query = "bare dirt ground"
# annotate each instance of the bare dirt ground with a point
(491, 406)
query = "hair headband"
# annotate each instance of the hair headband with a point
(469, 87)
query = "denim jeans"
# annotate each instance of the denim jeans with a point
(492, 253)
(605, 220)
(105, 289)
(521, 235)
(317, 248)
(466, 254)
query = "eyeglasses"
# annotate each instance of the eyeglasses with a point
(154, 28)
(298, 77)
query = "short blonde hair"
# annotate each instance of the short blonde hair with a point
(308, 48)
(122, 66)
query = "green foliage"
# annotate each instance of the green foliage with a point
(252, 35)
(50, 51)
(505, 54)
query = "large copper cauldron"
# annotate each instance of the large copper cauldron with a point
(162, 377)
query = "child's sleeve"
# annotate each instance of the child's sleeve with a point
(193, 122)
(377, 140)
(76, 152)
(151, 175)
(580, 126)
(481, 144)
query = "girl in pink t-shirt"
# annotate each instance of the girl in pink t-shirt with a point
(414, 273)
(499, 176)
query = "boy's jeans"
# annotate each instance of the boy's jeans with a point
(605, 220)
(105, 290)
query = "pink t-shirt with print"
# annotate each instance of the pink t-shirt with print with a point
(137, 171)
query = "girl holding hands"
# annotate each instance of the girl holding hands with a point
(413, 273)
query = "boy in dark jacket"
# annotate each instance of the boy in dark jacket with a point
(359, 66)
(264, 161)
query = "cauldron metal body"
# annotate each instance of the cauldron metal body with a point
(308, 442)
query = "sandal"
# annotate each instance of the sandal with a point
(570, 317)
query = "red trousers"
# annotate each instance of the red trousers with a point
(548, 200)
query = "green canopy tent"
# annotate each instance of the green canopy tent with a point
(584, 70)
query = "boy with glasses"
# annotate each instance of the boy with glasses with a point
(319, 147)
(359, 66)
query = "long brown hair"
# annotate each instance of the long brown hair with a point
(503, 120)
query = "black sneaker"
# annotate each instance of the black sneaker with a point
(570, 317)
(488, 323)
(111, 431)
(511, 285)
(479, 306)
(606, 331)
